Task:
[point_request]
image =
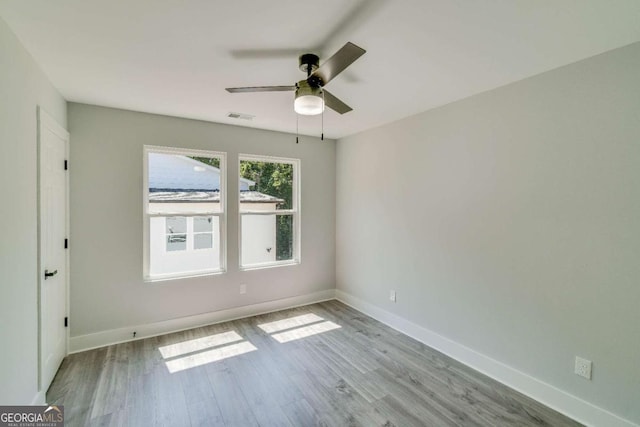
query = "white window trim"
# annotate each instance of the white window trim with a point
(147, 277)
(296, 213)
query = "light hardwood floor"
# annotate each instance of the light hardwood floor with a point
(320, 365)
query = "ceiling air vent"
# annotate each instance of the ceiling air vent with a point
(240, 116)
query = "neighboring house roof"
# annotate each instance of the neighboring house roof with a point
(185, 196)
(177, 172)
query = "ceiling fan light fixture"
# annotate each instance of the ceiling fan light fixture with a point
(309, 100)
(308, 105)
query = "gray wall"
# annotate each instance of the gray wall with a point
(509, 223)
(23, 87)
(107, 287)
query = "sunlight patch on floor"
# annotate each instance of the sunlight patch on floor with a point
(293, 328)
(305, 331)
(201, 351)
(210, 356)
(213, 348)
(191, 346)
(290, 323)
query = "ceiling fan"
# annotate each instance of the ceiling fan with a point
(311, 97)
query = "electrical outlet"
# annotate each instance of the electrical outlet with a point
(583, 367)
(243, 289)
(392, 296)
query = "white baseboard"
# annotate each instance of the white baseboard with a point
(561, 401)
(115, 336)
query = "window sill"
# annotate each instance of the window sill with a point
(171, 277)
(269, 265)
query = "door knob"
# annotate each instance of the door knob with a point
(48, 274)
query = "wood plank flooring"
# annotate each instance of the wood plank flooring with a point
(319, 365)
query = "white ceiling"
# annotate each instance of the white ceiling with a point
(176, 57)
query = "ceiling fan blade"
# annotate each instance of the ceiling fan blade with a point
(284, 53)
(334, 103)
(336, 64)
(260, 89)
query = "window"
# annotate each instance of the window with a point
(184, 212)
(269, 211)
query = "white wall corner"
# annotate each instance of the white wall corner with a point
(115, 336)
(559, 400)
(39, 398)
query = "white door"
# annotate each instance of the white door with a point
(53, 188)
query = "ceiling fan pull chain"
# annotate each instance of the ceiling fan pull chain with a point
(322, 125)
(297, 132)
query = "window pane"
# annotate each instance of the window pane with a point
(202, 224)
(284, 237)
(203, 241)
(183, 252)
(266, 238)
(265, 185)
(179, 183)
(176, 242)
(176, 224)
(258, 239)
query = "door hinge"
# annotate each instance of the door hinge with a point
(66, 243)
(66, 322)
(66, 165)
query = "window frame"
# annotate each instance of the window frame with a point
(222, 215)
(295, 211)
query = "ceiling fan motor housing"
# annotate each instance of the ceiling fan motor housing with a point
(304, 88)
(309, 63)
